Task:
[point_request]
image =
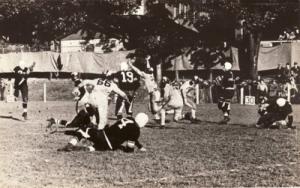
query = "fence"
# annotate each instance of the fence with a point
(244, 95)
(23, 48)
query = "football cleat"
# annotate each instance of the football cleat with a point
(225, 120)
(119, 117)
(195, 120)
(143, 149)
(67, 148)
(187, 116)
(24, 115)
(51, 121)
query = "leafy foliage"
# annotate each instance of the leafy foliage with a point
(39, 21)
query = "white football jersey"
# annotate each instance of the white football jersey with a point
(105, 87)
(187, 86)
(150, 83)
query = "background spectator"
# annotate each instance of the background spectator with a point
(295, 72)
(2, 89)
(290, 34)
(280, 73)
(287, 73)
(273, 89)
(262, 88)
(297, 33)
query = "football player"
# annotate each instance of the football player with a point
(96, 94)
(21, 75)
(152, 88)
(187, 90)
(164, 81)
(123, 134)
(82, 119)
(226, 83)
(172, 102)
(129, 82)
(276, 113)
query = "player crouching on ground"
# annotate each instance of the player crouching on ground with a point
(172, 101)
(276, 114)
(123, 134)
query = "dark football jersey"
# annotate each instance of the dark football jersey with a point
(77, 82)
(21, 76)
(128, 80)
(228, 80)
(283, 111)
(123, 130)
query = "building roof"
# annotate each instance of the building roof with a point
(80, 35)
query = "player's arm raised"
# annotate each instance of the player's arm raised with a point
(135, 69)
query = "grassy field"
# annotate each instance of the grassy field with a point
(183, 155)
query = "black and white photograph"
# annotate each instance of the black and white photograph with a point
(149, 93)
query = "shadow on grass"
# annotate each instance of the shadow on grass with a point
(156, 126)
(228, 124)
(113, 118)
(10, 117)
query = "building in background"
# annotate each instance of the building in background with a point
(76, 43)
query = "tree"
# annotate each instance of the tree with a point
(156, 33)
(217, 20)
(24, 21)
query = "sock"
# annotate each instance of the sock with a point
(170, 111)
(290, 120)
(163, 117)
(226, 114)
(193, 111)
(156, 116)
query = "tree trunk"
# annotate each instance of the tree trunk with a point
(254, 44)
(176, 74)
(257, 47)
(158, 72)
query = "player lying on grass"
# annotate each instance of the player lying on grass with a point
(276, 114)
(123, 134)
(84, 118)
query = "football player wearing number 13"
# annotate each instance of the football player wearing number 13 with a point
(129, 82)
